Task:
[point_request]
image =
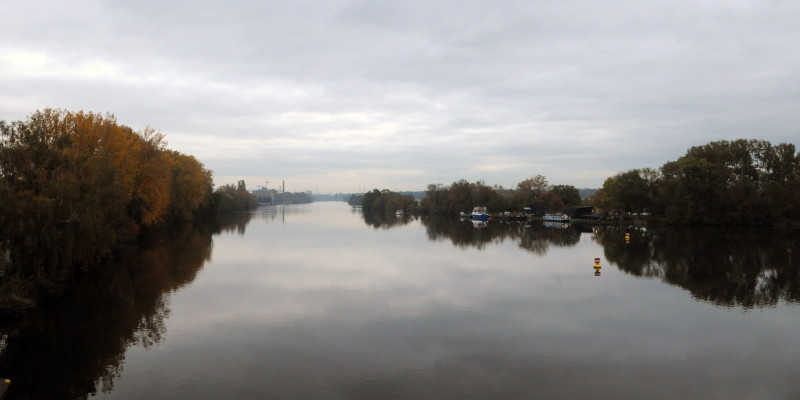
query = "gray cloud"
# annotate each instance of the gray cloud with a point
(575, 90)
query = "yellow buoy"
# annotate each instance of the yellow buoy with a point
(597, 266)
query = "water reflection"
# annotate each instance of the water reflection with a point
(534, 237)
(386, 221)
(311, 303)
(234, 222)
(77, 348)
(731, 268)
(278, 213)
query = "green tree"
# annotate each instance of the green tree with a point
(628, 191)
(372, 201)
(434, 199)
(383, 201)
(730, 182)
(529, 190)
(553, 202)
(460, 197)
(568, 194)
(230, 198)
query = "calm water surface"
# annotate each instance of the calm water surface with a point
(319, 302)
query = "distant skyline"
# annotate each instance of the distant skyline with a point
(343, 96)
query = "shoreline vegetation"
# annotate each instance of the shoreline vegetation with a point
(78, 188)
(729, 183)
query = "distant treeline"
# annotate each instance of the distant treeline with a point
(741, 182)
(272, 196)
(75, 185)
(463, 196)
(378, 201)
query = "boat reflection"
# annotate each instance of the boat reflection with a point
(534, 238)
(553, 224)
(479, 224)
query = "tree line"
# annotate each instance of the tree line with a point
(382, 201)
(76, 185)
(273, 196)
(463, 196)
(740, 182)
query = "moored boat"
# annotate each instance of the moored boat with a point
(556, 217)
(479, 214)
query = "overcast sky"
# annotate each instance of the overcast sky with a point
(345, 95)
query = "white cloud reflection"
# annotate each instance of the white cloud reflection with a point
(315, 302)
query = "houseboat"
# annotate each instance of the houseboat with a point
(556, 218)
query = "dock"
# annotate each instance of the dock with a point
(4, 384)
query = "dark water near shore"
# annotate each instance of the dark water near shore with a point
(317, 302)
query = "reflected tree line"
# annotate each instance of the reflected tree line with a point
(386, 220)
(85, 335)
(534, 238)
(465, 233)
(747, 268)
(731, 268)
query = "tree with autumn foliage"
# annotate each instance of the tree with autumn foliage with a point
(73, 185)
(190, 187)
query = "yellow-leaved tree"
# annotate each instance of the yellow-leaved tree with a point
(140, 159)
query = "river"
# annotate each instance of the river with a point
(318, 302)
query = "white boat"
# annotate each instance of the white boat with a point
(556, 218)
(479, 224)
(479, 214)
(399, 213)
